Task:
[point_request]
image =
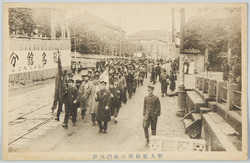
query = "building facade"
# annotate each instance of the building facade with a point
(105, 37)
(156, 44)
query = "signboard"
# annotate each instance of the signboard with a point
(27, 61)
(159, 143)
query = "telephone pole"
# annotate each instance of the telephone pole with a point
(173, 25)
(120, 46)
(74, 31)
(181, 89)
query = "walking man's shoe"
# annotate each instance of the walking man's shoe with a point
(65, 126)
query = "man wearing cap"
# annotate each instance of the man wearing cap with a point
(83, 97)
(78, 83)
(153, 74)
(130, 81)
(92, 102)
(151, 111)
(123, 84)
(70, 103)
(157, 71)
(57, 95)
(164, 80)
(103, 97)
(115, 106)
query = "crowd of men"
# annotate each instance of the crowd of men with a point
(112, 82)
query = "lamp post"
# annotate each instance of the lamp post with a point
(181, 89)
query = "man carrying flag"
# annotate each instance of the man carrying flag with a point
(60, 87)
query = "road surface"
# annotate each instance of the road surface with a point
(32, 127)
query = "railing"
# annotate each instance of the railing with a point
(197, 82)
(201, 84)
(214, 85)
(224, 94)
(206, 86)
(237, 99)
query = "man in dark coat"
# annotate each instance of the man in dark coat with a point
(115, 90)
(123, 84)
(151, 111)
(172, 78)
(103, 97)
(164, 83)
(153, 74)
(157, 71)
(61, 84)
(130, 82)
(70, 103)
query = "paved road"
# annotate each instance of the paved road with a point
(32, 127)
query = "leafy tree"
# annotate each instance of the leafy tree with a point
(217, 35)
(20, 21)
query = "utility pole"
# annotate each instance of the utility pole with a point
(52, 25)
(157, 46)
(120, 53)
(181, 89)
(74, 31)
(100, 46)
(173, 25)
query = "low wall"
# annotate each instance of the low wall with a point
(36, 75)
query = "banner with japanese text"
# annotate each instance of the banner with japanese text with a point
(26, 61)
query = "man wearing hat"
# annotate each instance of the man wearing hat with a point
(123, 84)
(57, 95)
(115, 106)
(157, 71)
(78, 83)
(92, 101)
(84, 92)
(130, 81)
(164, 80)
(103, 97)
(151, 111)
(153, 74)
(70, 103)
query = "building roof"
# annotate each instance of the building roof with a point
(87, 18)
(161, 35)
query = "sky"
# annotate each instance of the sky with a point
(134, 17)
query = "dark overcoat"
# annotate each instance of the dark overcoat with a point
(152, 107)
(70, 97)
(116, 100)
(164, 82)
(104, 99)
